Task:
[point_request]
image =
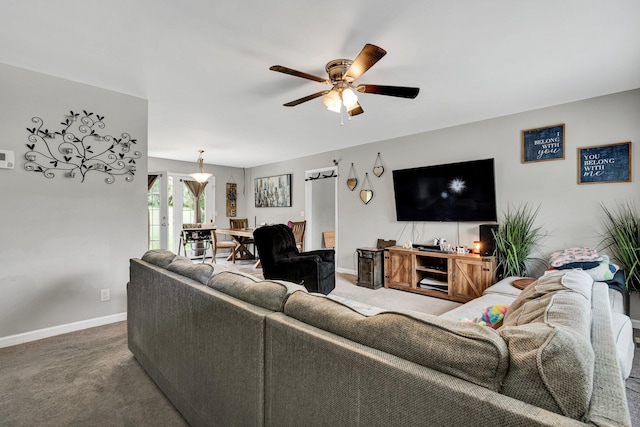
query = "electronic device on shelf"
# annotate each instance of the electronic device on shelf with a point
(455, 192)
(431, 248)
(426, 247)
(427, 283)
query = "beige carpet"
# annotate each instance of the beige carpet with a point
(390, 299)
(85, 378)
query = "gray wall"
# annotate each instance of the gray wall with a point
(62, 241)
(569, 213)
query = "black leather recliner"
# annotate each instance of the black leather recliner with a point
(281, 260)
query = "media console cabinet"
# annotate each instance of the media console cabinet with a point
(451, 276)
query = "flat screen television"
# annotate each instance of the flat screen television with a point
(462, 191)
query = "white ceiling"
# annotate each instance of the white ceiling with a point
(204, 65)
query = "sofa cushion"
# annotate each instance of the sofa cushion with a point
(184, 267)
(616, 301)
(269, 294)
(473, 309)
(623, 336)
(548, 330)
(464, 350)
(504, 287)
(160, 257)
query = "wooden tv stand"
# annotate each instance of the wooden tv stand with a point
(451, 276)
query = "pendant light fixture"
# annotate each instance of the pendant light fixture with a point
(201, 175)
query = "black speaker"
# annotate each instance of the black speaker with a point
(487, 242)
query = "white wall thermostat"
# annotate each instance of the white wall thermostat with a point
(7, 159)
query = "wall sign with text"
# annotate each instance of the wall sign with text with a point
(541, 144)
(604, 163)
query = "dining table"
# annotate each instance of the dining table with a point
(241, 236)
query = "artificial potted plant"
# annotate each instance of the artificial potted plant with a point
(515, 240)
(622, 238)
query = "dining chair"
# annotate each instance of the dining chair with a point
(329, 239)
(235, 223)
(222, 244)
(298, 232)
(241, 223)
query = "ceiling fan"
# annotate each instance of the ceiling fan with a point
(342, 75)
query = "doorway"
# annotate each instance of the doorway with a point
(321, 206)
(171, 204)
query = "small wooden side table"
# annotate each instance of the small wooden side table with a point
(370, 267)
(523, 283)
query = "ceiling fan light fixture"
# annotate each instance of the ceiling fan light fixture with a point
(200, 175)
(353, 107)
(342, 75)
(349, 98)
(332, 101)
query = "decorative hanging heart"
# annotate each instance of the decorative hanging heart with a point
(366, 196)
(352, 183)
(378, 167)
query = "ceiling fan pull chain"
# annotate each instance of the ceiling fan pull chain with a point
(342, 108)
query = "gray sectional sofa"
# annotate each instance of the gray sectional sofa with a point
(230, 350)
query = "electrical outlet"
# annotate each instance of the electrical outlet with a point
(302, 214)
(105, 295)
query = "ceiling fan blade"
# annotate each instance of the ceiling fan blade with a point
(291, 71)
(305, 99)
(369, 55)
(399, 91)
(356, 110)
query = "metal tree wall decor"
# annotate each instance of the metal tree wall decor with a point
(79, 148)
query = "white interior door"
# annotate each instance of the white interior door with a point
(321, 205)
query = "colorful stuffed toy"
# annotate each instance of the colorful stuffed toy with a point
(492, 316)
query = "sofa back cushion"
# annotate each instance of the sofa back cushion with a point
(184, 267)
(269, 294)
(160, 257)
(465, 350)
(548, 331)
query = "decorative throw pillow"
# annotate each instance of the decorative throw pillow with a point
(604, 271)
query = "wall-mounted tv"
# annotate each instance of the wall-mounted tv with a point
(462, 191)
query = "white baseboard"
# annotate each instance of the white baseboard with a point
(60, 329)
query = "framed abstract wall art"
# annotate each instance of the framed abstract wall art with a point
(273, 191)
